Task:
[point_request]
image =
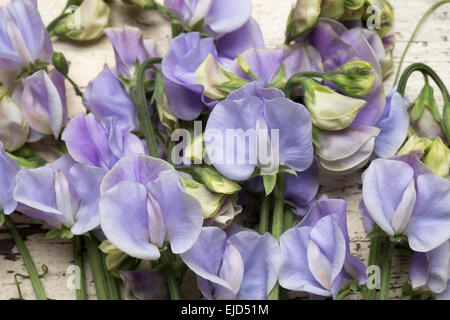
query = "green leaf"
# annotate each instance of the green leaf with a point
(66, 234)
(269, 183)
(284, 169)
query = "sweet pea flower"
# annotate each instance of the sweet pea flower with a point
(393, 124)
(338, 45)
(129, 48)
(63, 194)
(144, 204)
(23, 37)
(242, 266)
(219, 17)
(86, 23)
(99, 144)
(416, 205)
(275, 138)
(431, 270)
(106, 96)
(187, 52)
(43, 102)
(14, 129)
(8, 171)
(346, 150)
(315, 254)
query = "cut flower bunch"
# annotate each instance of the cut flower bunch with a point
(204, 161)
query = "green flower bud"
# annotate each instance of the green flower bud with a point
(437, 158)
(355, 85)
(211, 202)
(330, 110)
(354, 67)
(86, 23)
(425, 100)
(116, 260)
(213, 180)
(333, 9)
(414, 143)
(379, 14)
(195, 151)
(302, 18)
(217, 82)
(354, 4)
(245, 67)
(426, 126)
(140, 3)
(225, 216)
(60, 63)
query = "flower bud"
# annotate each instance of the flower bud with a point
(354, 4)
(302, 18)
(225, 216)
(14, 129)
(213, 180)
(116, 260)
(217, 82)
(333, 9)
(355, 85)
(60, 63)
(140, 3)
(379, 14)
(210, 201)
(86, 23)
(354, 67)
(330, 110)
(195, 151)
(414, 143)
(437, 158)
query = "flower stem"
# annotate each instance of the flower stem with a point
(140, 100)
(288, 219)
(386, 272)
(111, 283)
(427, 13)
(27, 260)
(264, 217)
(277, 224)
(374, 258)
(95, 261)
(78, 260)
(167, 258)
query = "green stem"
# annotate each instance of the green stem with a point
(427, 13)
(143, 109)
(386, 272)
(288, 219)
(345, 292)
(57, 20)
(95, 261)
(277, 224)
(264, 218)
(111, 283)
(374, 258)
(78, 261)
(294, 80)
(78, 92)
(167, 258)
(426, 71)
(27, 260)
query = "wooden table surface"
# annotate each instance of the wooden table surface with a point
(431, 46)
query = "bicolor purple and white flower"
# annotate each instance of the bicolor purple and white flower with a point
(242, 265)
(144, 204)
(315, 254)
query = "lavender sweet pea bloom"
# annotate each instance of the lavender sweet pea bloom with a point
(63, 193)
(219, 16)
(23, 37)
(144, 204)
(8, 172)
(275, 138)
(431, 270)
(242, 266)
(338, 45)
(106, 96)
(99, 144)
(43, 102)
(394, 123)
(186, 54)
(129, 48)
(416, 205)
(315, 254)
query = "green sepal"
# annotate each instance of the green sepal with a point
(269, 183)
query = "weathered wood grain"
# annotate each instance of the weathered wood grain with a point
(432, 46)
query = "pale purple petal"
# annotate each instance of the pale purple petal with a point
(301, 57)
(106, 97)
(394, 125)
(227, 16)
(182, 213)
(429, 225)
(141, 285)
(8, 171)
(124, 220)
